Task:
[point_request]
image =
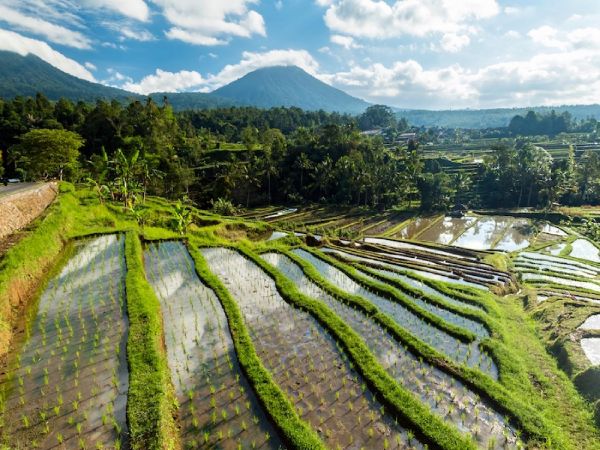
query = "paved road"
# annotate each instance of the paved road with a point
(16, 187)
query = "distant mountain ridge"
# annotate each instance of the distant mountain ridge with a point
(28, 75)
(488, 118)
(263, 88)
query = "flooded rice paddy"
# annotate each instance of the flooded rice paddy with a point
(591, 323)
(443, 394)
(584, 249)
(67, 388)
(476, 232)
(469, 354)
(397, 265)
(591, 348)
(217, 407)
(306, 362)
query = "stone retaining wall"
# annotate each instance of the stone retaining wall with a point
(19, 209)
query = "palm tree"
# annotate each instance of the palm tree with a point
(303, 163)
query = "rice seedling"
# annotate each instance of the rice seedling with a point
(288, 340)
(457, 350)
(432, 386)
(61, 361)
(204, 368)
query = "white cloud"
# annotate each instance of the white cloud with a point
(513, 34)
(89, 65)
(405, 83)
(208, 22)
(453, 43)
(547, 36)
(345, 41)
(15, 42)
(136, 35)
(128, 31)
(134, 9)
(579, 38)
(163, 81)
(193, 38)
(52, 32)
(380, 20)
(279, 5)
(559, 77)
(252, 61)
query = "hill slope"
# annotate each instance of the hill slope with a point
(488, 118)
(289, 86)
(28, 75)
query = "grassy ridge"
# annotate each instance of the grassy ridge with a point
(438, 301)
(403, 403)
(535, 427)
(151, 401)
(394, 295)
(22, 268)
(293, 429)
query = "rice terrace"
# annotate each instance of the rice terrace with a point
(329, 224)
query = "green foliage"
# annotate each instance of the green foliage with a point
(224, 207)
(377, 116)
(518, 177)
(48, 153)
(436, 191)
(182, 215)
(151, 401)
(534, 124)
(591, 229)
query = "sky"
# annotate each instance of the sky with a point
(431, 54)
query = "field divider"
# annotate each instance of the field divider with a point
(428, 426)
(478, 316)
(392, 294)
(474, 298)
(517, 410)
(293, 429)
(396, 228)
(405, 270)
(435, 222)
(549, 272)
(151, 402)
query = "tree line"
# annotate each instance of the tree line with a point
(281, 155)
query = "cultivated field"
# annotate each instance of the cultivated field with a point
(239, 333)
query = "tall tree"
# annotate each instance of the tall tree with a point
(49, 153)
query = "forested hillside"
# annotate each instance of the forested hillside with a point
(250, 156)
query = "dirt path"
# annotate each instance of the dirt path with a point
(21, 204)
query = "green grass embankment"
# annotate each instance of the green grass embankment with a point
(514, 404)
(401, 402)
(151, 402)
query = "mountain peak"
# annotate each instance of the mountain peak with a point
(289, 86)
(263, 88)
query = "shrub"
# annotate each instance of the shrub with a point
(224, 207)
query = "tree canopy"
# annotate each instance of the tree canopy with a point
(47, 153)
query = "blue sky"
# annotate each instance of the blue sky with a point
(435, 54)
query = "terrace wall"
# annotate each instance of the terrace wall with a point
(19, 209)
